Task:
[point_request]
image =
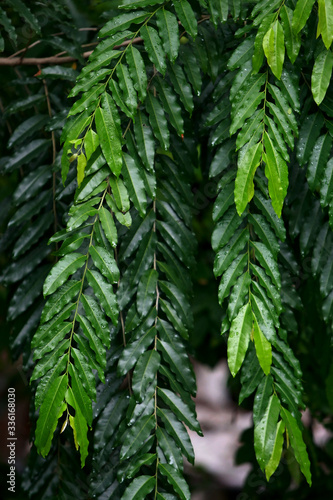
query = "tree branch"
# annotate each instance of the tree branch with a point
(35, 61)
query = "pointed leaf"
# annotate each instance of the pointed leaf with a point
(321, 75)
(244, 188)
(296, 440)
(264, 432)
(154, 48)
(239, 337)
(176, 480)
(62, 270)
(169, 32)
(277, 451)
(51, 410)
(140, 488)
(136, 435)
(106, 119)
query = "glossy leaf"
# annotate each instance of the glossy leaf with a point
(108, 131)
(239, 337)
(321, 75)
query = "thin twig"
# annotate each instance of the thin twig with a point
(51, 60)
(37, 42)
(54, 152)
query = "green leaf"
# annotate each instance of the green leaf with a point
(86, 83)
(192, 70)
(106, 119)
(158, 121)
(80, 429)
(267, 261)
(176, 480)
(264, 432)
(179, 301)
(7, 24)
(26, 14)
(134, 350)
(120, 194)
(297, 443)
(226, 255)
(24, 155)
(94, 341)
(87, 101)
(144, 373)
(105, 262)
(153, 46)
(80, 213)
(326, 188)
(131, 469)
(292, 39)
(112, 414)
(265, 207)
(276, 171)
(137, 71)
(318, 159)
(62, 270)
(177, 430)
(246, 100)
(301, 14)
(145, 140)
(96, 318)
(108, 226)
(146, 292)
(244, 187)
(134, 4)
(103, 54)
(239, 338)
(79, 400)
(122, 22)
(238, 295)
(186, 16)
(243, 53)
(85, 373)
(91, 143)
(321, 75)
(277, 451)
(225, 228)
(134, 184)
(251, 374)
(263, 348)
(309, 133)
(127, 87)
(139, 488)
(263, 394)
(50, 411)
(265, 233)
(230, 276)
(136, 435)
(181, 86)
(178, 362)
(273, 44)
(181, 409)
(104, 293)
(258, 56)
(170, 104)
(168, 29)
(81, 165)
(325, 22)
(58, 300)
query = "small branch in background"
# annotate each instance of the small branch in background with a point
(35, 61)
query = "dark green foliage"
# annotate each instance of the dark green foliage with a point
(101, 257)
